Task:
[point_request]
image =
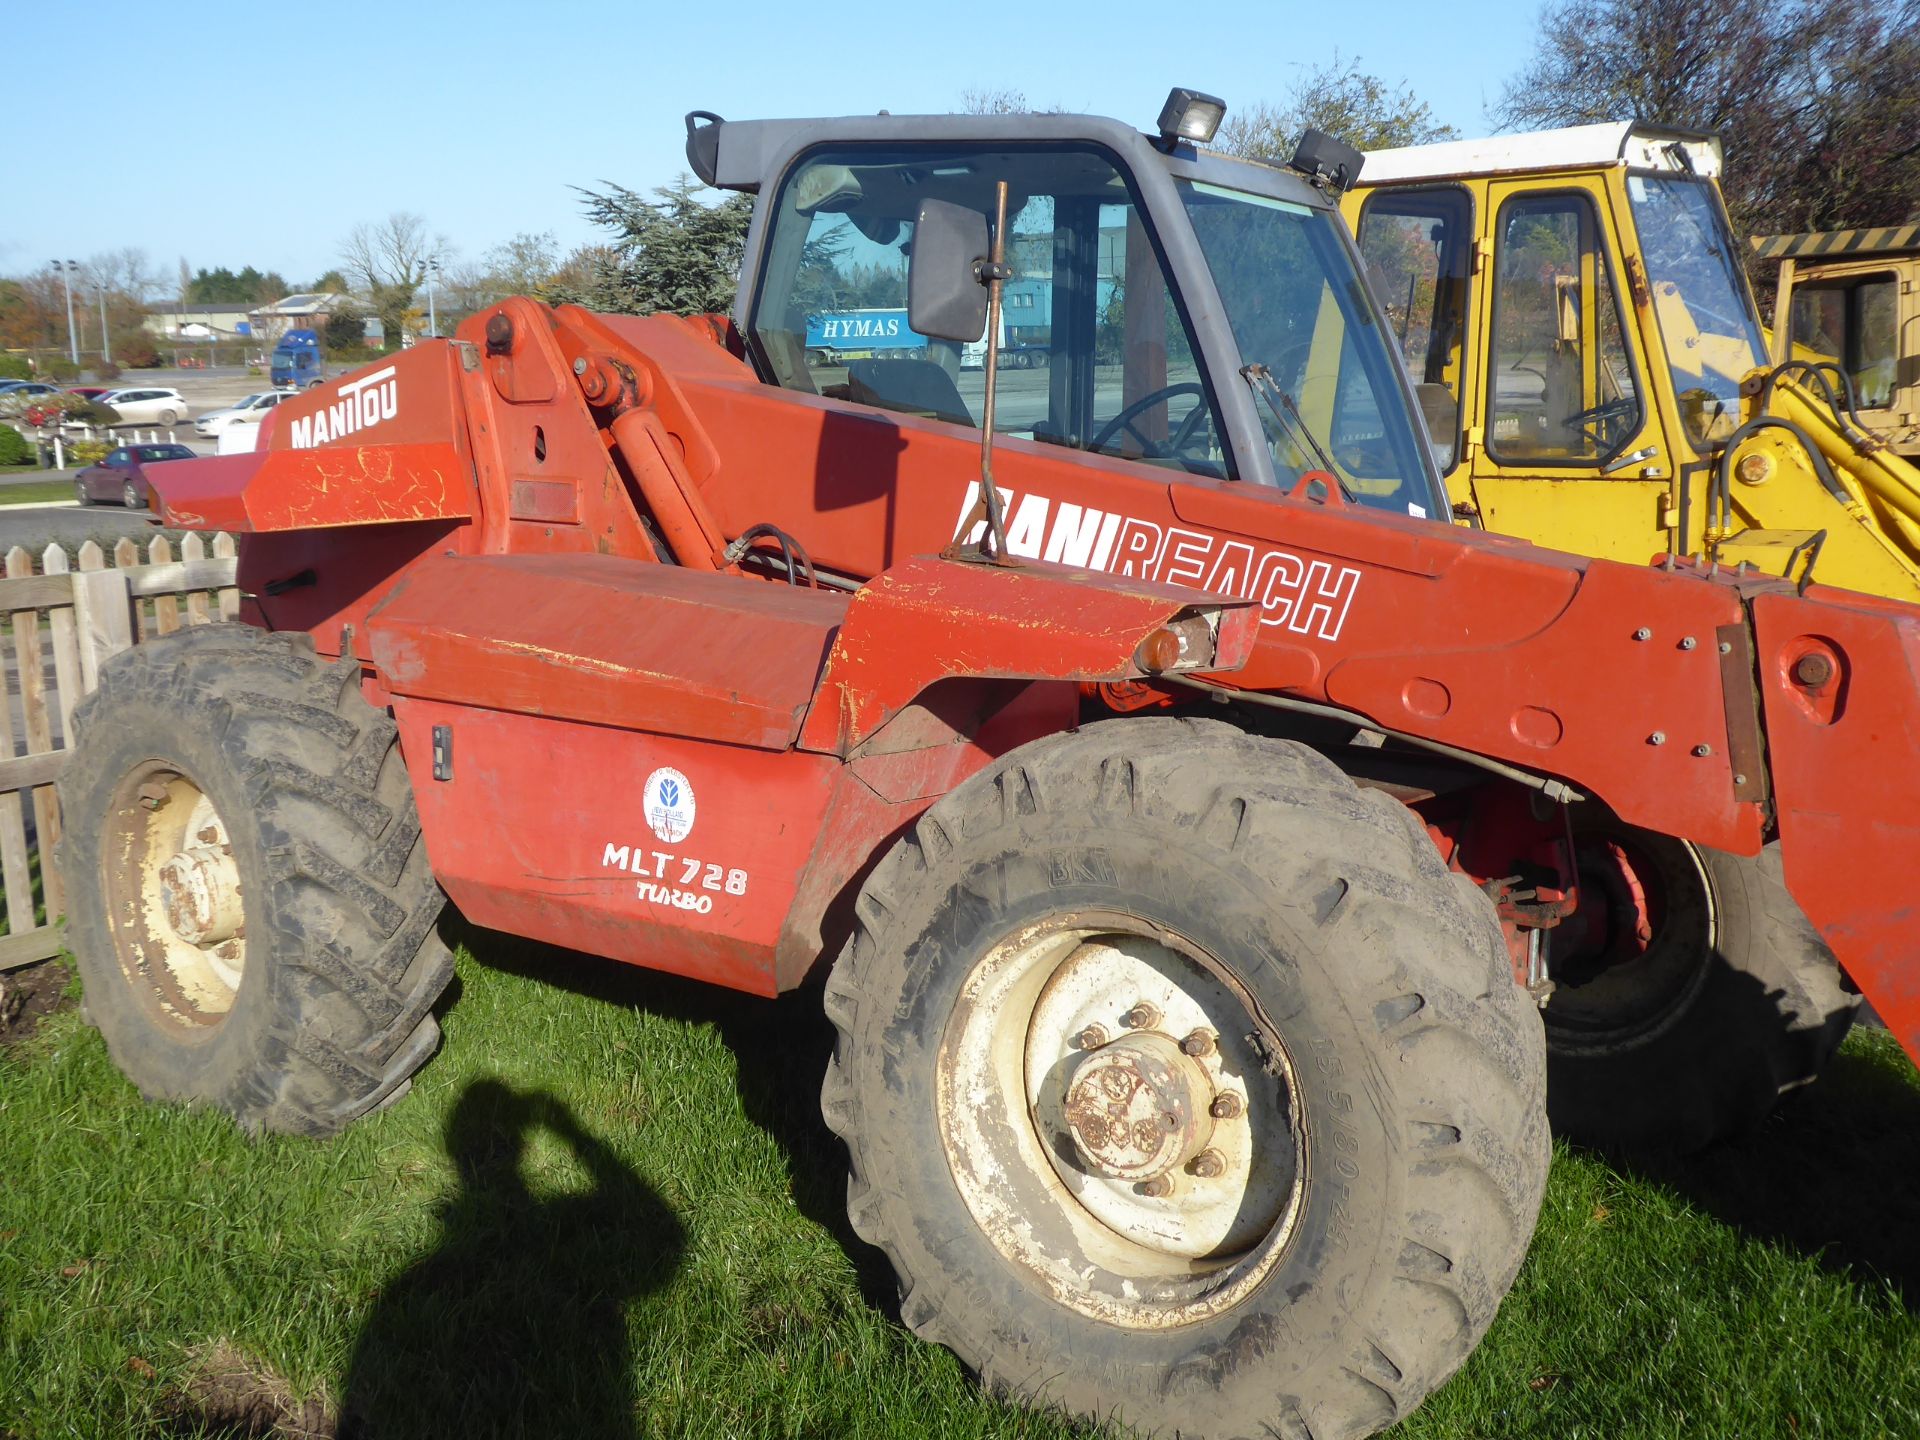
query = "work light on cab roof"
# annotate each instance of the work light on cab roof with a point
(1190, 115)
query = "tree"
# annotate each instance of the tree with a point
(523, 264)
(225, 287)
(345, 333)
(674, 254)
(389, 260)
(1346, 102)
(1814, 100)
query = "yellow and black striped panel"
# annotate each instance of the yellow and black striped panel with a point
(1886, 240)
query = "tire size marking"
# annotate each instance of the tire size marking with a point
(681, 882)
(1343, 1147)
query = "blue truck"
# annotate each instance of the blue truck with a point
(835, 337)
(296, 361)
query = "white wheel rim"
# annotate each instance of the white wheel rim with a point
(175, 907)
(1174, 1212)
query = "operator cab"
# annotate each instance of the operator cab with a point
(1167, 306)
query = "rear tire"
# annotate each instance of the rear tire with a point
(258, 766)
(167, 417)
(1734, 1001)
(80, 495)
(130, 496)
(1384, 1151)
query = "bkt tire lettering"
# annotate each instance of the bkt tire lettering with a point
(1308, 597)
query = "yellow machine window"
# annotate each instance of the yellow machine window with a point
(1561, 388)
(1856, 324)
(1418, 245)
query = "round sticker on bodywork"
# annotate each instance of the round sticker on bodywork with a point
(667, 802)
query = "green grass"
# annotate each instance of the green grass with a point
(35, 492)
(648, 1240)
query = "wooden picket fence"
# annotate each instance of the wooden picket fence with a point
(67, 620)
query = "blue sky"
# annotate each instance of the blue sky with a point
(258, 134)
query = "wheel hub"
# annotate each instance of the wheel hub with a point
(1138, 1108)
(200, 893)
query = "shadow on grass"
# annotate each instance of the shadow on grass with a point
(1829, 1173)
(780, 1047)
(516, 1321)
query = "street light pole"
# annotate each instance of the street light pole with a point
(433, 319)
(66, 270)
(106, 346)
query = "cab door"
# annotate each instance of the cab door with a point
(1563, 444)
(1418, 243)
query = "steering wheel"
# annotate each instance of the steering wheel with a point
(1595, 421)
(1154, 449)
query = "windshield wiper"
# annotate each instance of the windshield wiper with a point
(1288, 414)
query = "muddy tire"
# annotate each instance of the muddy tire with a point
(1298, 1224)
(1697, 995)
(250, 903)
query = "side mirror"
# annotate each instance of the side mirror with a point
(945, 297)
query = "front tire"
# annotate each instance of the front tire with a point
(1322, 1199)
(1695, 994)
(250, 902)
(130, 496)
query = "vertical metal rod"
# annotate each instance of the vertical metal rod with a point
(996, 515)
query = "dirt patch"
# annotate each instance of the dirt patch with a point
(229, 1394)
(30, 994)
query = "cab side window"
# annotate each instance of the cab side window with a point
(1855, 323)
(1093, 351)
(1561, 388)
(1418, 245)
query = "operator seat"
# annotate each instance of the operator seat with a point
(913, 387)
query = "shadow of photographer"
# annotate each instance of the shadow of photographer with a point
(516, 1321)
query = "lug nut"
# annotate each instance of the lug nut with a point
(1225, 1106)
(1158, 1188)
(1207, 1165)
(1197, 1044)
(1091, 1038)
(1141, 1017)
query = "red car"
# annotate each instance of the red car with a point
(120, 477)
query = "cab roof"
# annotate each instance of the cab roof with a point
(1835, 244)
(1579, 147)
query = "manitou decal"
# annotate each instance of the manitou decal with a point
(370, 400)
(1310, 597)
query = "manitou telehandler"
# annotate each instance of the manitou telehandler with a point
(1190, 1064)
(1574, 310)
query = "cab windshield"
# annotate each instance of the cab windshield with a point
(1096, 348)
(1707, 323)
(1325, 379)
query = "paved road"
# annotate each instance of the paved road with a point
(34, 525)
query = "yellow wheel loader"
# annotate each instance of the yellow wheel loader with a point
(1851, 299)
(1593, 372)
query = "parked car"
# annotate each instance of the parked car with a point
(121, 477)
(18, 394)
(250, 411)
(147, 407)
